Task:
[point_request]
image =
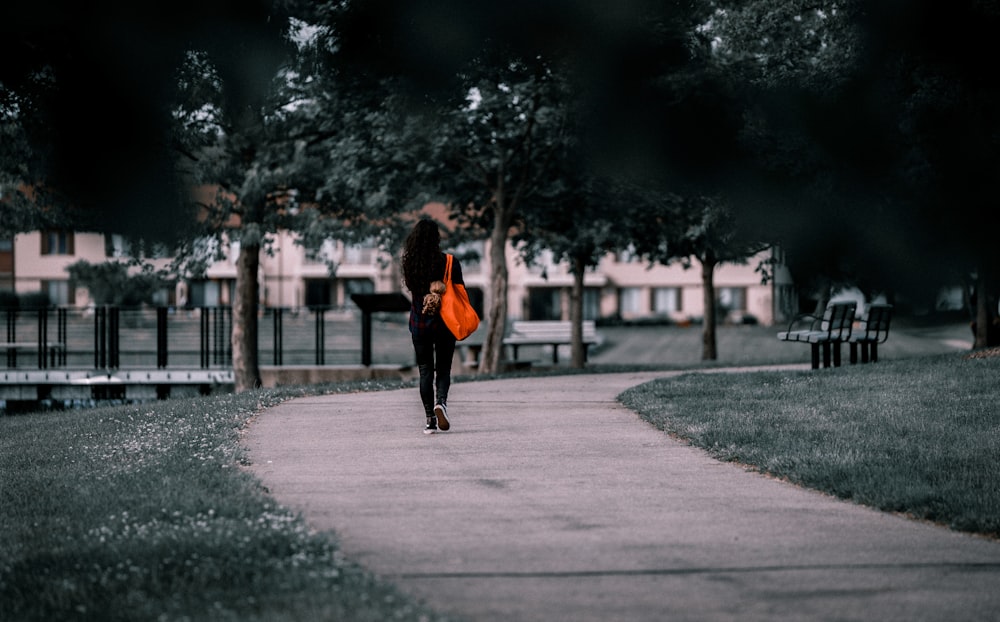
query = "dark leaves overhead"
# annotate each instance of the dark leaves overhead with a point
(97, 81)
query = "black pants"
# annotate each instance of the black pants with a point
(434, 351)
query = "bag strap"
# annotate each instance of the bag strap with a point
(447, 270)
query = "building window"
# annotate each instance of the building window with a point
(60, 293)
(541, 264)
(325, 254)
(165, 297)
(544, 303)
(212, 293)
(628, 255)
(732, 298)
(471, 255)
(116, 245)
(591, 303)
(628, 301)
(361, 254)
(6, 263)
(320, 293)
(477, 299)
(358, 286)
(57, 242)
(666, 300)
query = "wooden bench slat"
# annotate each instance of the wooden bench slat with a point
(826, 332)
(873, 330)
(548, 333)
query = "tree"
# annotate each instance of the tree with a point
(98, 114)
(508, 117)
(949, 110)
(369, 162)
(691, 155)
(110, 283)
(582, 221)
(711, 235)
(493, 160)
(239, 146)
(879, 118)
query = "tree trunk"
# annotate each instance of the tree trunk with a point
(493, 348)
(984, 318)
(246, 370)
(709, 352)
(578, 358)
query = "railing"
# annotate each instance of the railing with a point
(110, 337)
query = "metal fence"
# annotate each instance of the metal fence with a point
(111, 337)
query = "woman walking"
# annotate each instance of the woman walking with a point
(434, 345)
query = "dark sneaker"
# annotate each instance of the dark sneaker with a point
(431, 426)
(441, 412)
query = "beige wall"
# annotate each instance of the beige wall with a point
(612, 275)
(32, 269)
(286, 272)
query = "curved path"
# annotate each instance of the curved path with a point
(549, 500)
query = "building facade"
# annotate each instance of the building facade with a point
(621, 287)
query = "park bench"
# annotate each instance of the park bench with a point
(825, 332)
(871, 331)
(552, 333)
(471, 347)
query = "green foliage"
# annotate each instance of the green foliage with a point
(871, 119)
(501, 133)
(34, 300)
(778, 42)
(917, 436)
(104, 159)
(143, 513)
(365, 178)
(110, 283)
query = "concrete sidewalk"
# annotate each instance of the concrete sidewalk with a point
(548, 500)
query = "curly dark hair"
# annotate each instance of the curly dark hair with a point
(422, 259)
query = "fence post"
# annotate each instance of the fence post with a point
(219, 314)
(161, 337)
(203, 334)
(61, 337)
(11, 337)
(114, 349)
(320, 336)
(43, 337)
(277, 337)
(100, 354)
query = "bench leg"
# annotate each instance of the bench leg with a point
(555, 354)
(854, 353)
(471, 358)
(514, 347)
(826, 354)
(836, 354)
(815, 355)
(874, 354)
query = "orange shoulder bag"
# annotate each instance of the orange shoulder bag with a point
(456, 310)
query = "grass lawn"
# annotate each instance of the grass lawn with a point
(144, 512)
(918, 436)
